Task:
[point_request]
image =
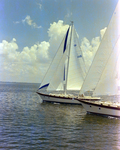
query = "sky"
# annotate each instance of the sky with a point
(31, 32)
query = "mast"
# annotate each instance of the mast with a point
(65, 85)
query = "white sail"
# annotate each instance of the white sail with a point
(53, 66)
(104, 52)
(57, 80)
(109, 81)
(76, 70)
(67, 70)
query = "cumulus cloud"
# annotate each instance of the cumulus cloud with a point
(56, 32)
(25, 65)
(102, 32)
(30, 22)
(31, 63)
(89, 48)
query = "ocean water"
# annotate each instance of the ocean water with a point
(27, 123)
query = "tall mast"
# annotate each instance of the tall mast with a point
(68, 58)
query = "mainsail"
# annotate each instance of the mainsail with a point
(107, 51)
(67, 70)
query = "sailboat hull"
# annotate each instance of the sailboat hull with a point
(58, 99)
(101, 109)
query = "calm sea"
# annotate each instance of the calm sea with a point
(27, 123)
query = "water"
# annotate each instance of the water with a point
(26, 123)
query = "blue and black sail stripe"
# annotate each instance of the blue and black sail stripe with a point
(66, 37)
(46, 85)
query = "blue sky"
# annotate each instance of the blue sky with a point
(28, 29)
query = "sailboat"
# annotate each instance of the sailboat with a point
(66, 73)
(103, 77)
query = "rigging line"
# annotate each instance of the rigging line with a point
(107, 61)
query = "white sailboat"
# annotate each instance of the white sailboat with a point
(103, 76)
(66, 72)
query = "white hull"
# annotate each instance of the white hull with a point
(103, 109)
(58, 99)
(65, 99)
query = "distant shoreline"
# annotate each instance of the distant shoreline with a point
(19, 82)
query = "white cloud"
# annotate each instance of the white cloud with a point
(56, 32)
(16, 22)
(40, 6)
(102, 32)
(89, 48)
(27, 20)
(30, 22)
(31, 63)
(25, 65)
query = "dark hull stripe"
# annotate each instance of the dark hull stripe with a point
(103, 114)
(102, 106)
(61, 102)
(54, 96)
